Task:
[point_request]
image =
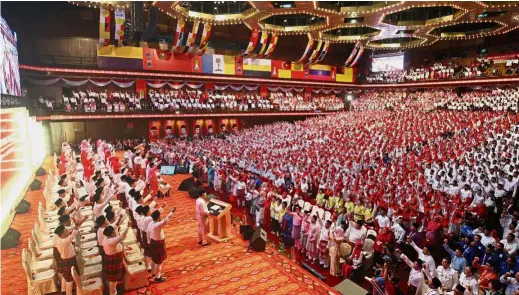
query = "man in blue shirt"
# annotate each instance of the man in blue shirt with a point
(458, 261)
(510, 266)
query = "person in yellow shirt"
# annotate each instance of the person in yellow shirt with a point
(332, 201)
(359, 210)
(339, 203)
(369, 213)
(319, 199)
(349, 206)
(328, 202)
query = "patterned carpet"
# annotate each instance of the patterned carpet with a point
(224, 268)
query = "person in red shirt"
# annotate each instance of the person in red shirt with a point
(384, 239)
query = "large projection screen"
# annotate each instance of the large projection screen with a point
(387, 63)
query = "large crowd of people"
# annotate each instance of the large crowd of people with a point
(189, 101)
(418, 184)
(477, 68)
(400, 185)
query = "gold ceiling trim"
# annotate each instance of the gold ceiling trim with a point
(373, 16)
(350, 38)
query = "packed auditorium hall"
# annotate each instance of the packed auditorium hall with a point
(259, 147)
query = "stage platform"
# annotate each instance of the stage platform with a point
(221, 268)
(348, 287)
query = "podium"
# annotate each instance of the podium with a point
(219, 220)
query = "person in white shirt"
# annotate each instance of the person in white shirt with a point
(416, 277)
(512, 283)
(510, 244)
(424, 255)
(100, 203)
(468, 282)
(157, 243)
(113, 260)
(486, 237)
(202, 214)
(447, 275)
(63, 244)
(398, 230)
(382, 220)
(355, 232)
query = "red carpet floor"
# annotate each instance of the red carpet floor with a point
(224, 268)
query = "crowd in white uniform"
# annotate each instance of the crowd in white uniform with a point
(496, 99)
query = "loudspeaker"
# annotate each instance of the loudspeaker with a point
(258, 241)
(186, 184)
(246, 231)
(23, 207)
(11, 239)
(314, 272)
(40, 172)
(35, 185)
(182, 170)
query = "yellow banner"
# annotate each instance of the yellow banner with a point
(123, 52)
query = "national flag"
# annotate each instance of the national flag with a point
(257, 67)
(298, 71)
(218, 64)
(206, 34)
(281, 69)
(321, 72)
(344, 75)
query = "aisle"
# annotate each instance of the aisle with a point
(224, 268)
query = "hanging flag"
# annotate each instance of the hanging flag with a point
(272, 45)
(315, 52)
(252, 42)
(261, 44)
(183, 38)
(181, 25)
(323, 51)
(353, 54)
(120, 17)
(359, 55)
(206, 34)
(104, 26)
(191, 37)
(309, 47)
(321, 72)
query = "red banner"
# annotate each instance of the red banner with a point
(169, 128)
(164, 60)
(238, 66)
(154, 130)
(182, 129)
(140, 87)
(196, 66)
(197, 128)
(209, 127)
(235, 125)
(223, 125)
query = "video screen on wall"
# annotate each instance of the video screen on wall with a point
(10, 73)
(387, 63)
